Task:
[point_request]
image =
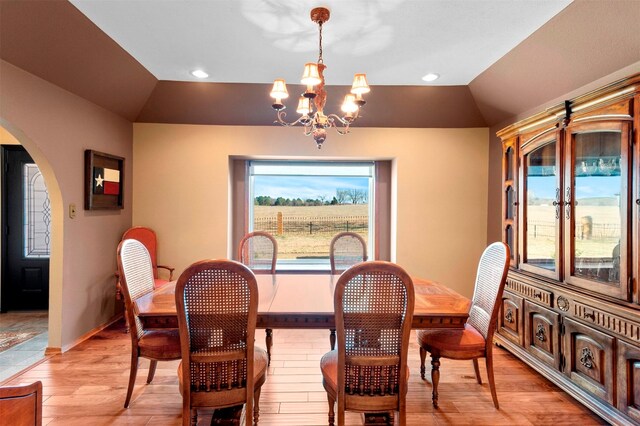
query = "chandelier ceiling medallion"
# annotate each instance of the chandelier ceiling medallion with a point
(312, 116)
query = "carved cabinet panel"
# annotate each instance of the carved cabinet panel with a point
(510, 320)
(541, 336)
(589, 359)
(629, 380)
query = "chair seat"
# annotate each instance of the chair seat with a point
(260, 362)
(157, 282)
(160, 344)
(464, 343)
(329, 368)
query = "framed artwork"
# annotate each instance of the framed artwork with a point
(104, 181)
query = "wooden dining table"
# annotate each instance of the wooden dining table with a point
(306, 301)
(298, 301)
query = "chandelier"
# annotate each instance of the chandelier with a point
(312, 115)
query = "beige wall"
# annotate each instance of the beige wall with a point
(181, 189)
(56, 127)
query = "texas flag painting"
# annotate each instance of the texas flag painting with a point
(106, 181)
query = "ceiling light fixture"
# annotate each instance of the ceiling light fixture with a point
(199, 74)
(431, 77)
(315, 122)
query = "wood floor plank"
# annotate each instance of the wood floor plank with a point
(87, 386)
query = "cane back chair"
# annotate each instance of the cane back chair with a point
(259, 251)
(476, 339)
(368, 372)
(217, 305)
(346, 249)
(134, 264)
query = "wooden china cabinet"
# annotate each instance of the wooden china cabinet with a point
(570, 214)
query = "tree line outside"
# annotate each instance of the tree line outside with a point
(343, 196)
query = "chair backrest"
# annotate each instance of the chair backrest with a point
(22, 405)
(136, 279)
(490, 280)
(147, 237)
(259, 251)
(217, 305)
(373, 304)
(346, 249)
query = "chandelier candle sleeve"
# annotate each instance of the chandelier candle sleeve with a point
(312, 117)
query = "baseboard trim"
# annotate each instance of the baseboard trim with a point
(89, 334)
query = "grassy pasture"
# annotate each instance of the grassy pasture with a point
(293, 245)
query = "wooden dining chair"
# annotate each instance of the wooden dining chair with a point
(147, 236)
(346, 249)
(217, 305)
(476, 339)
(368, 372)
(21, 405)
(136, 272)
(259, 251)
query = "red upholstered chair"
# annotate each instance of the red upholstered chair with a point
(136, 272)
(476, 339)
(148, 237)
(21, 405)
(373, 303)
(217, 305)
(346, 249)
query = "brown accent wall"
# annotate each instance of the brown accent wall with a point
(250, 105)
(55, 41)
(56, 127)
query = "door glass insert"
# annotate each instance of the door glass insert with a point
(509, 166)
(541, 214)
(510, 203)
(508, 232)
(597, 209)
(37, 213)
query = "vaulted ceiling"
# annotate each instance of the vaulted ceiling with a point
(497, 59)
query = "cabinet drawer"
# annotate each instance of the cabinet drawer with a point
(542, 297)
(510, 319)
(589, 359)
(542, 333)
(629, 380)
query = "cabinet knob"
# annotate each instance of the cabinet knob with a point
(638, 201)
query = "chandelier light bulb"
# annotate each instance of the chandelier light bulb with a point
(304, 106)
(310, 76)
(349, 105)
(360, 85)
(279, 90)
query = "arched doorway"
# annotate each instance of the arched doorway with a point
(10, 135)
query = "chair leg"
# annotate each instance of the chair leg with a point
(269, 343)
(332, 338)
(435, 378)
(332, 413)
(423, 357)
(256, 405)
(492, 382)
(476, 367)
(152, 370)
(194, 416)
(132, 378)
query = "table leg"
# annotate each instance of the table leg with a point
(269, 342)
(332, 338)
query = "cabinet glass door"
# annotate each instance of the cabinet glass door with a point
(596, 198)
(541, 208)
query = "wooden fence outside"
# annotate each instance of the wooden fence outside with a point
(305, 225)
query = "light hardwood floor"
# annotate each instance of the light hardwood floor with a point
(87, 386)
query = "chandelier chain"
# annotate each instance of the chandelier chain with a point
(320, 61)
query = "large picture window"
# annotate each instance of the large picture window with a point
(304, 204)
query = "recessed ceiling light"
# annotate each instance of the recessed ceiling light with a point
(199, 74)
(431, 77)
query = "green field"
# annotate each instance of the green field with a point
(301, 241)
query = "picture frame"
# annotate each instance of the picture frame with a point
(104, 181)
